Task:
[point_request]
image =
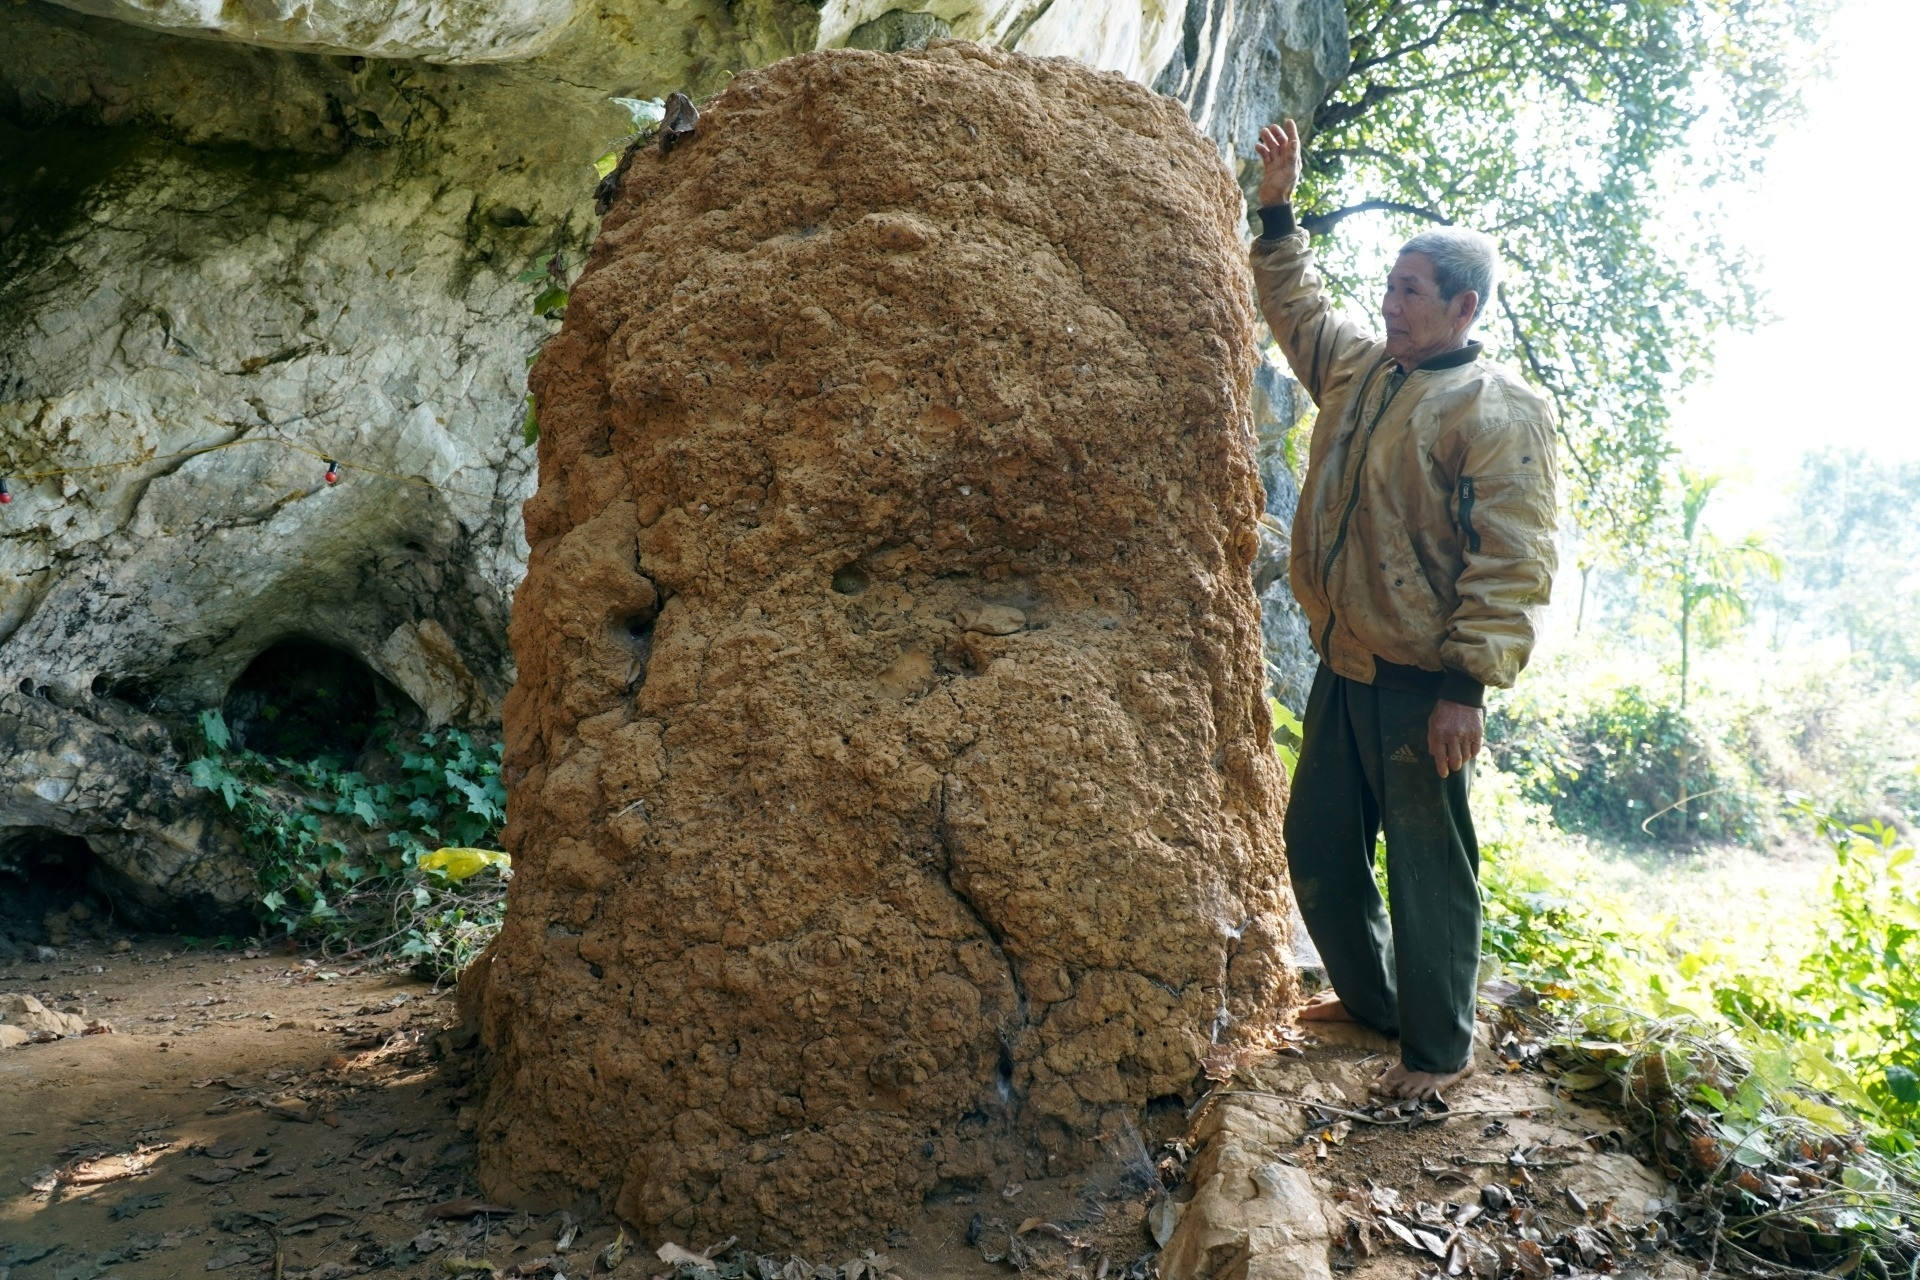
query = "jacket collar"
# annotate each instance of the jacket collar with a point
(1450, 359)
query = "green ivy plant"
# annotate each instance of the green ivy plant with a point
(349, 860)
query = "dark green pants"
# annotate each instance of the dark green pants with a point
(1407, 968)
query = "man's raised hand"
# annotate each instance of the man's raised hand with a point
(1279, 148)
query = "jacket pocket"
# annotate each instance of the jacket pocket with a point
(1466, 514)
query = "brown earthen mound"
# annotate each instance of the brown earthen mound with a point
(891, 800)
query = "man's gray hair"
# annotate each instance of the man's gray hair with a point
(1462, 260)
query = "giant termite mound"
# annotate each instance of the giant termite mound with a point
(891, 807)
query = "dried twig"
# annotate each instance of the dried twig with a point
(1362, 1117)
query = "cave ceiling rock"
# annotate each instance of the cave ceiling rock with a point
(230, 366)
(496, 31)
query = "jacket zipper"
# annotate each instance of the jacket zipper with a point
(1466, 513)
(1353, 500)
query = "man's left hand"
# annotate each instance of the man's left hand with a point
(1454, 734)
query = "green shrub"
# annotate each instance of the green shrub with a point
(347, 859)
(1857, 991)
(1830, 1019)
(1628, 763)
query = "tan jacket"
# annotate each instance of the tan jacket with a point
(1424, 537)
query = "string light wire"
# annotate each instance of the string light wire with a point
(333, 468)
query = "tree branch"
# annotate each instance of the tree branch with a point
(1331, 114)
(1320, 224)
(1428, 41)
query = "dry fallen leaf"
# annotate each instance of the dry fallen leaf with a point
(611, 1255)
(673, 1255)
(1402, 1234)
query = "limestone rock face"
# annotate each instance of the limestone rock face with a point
(890, 790)
(112, 779)
(495, 31)
(1241, 64)
(1278, 404)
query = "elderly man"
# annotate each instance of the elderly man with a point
(1422, 553)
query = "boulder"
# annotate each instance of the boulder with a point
(890, 791)
(113, 780)
(29, 1015)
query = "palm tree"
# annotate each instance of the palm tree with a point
(1704, 578)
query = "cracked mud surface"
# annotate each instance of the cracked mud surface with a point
(892, 804)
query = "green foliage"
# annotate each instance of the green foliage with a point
(1858, 988)
(1596, 734)
(1564, 128)
(1700, 580)
(549, 303)
(1828, 1031)
(1629, 763)
(339, 854)
(550, 300)
(1287, 736)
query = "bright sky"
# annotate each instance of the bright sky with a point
(1836, 229)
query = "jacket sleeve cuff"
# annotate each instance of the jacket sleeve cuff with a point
(1276, 221)
(1458, 686)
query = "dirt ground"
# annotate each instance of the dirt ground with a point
(263, 1114)
(271, 1115)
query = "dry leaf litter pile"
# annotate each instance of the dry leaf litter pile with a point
(891, 797)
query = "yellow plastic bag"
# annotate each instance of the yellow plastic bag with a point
(458, 864)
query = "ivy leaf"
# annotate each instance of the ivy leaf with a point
(213, 726)
(1903, 1084)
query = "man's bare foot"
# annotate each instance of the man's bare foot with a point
(1326, 1007)
(1398, 1082)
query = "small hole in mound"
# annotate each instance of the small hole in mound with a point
(302, 700)
(636, 633)
(100, 686)
(851, 580)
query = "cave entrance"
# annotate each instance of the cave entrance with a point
(301, 699)
(47, 891)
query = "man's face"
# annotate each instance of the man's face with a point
(1420, 325)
